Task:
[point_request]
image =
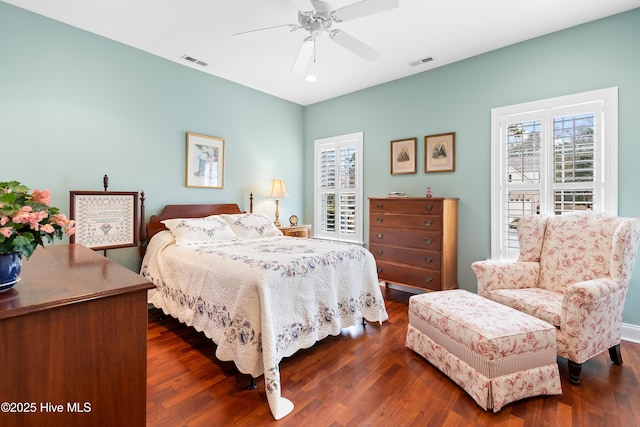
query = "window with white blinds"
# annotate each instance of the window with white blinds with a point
(338, 188)
(552, 156)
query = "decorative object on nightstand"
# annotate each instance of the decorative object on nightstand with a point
(429, 193)
(293, 220)
(277, 190)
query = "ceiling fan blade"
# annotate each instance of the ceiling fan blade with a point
(304, 56)
(354, 45)
(321, 6)
(285, 28)
(363, 8)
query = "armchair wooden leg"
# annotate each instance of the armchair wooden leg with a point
(574, 372)
(252, 385)
(615, 354)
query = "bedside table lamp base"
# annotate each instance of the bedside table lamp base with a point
(277, 221)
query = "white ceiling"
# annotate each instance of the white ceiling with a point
(448, 30)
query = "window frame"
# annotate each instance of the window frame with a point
(356, 140)
(605, 149)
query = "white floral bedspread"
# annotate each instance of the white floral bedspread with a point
(261, 300)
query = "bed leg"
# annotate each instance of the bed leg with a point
(364, 323)
(252, 384)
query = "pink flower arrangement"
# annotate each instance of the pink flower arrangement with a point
(27, 220)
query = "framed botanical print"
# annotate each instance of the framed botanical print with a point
(403, 156)
(205, 161)
(439, 152)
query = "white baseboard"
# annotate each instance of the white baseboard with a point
(631, 333)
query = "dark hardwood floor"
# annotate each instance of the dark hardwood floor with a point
(365, 377)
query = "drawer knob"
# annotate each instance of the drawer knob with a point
(379, 252)
(428, 223)
(379, 235)
(379, 219)
(379, 205)
(428, 279)
(428, 240)
(428, 207)
(429, 260)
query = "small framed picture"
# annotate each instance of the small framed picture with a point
(403, 156)
(104, 219)
(205, 161)
(439, 152)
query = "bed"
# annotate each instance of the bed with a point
(258, 295)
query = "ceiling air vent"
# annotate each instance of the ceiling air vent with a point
(421, 61)
(194, 60)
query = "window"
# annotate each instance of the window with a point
(338, 186)
(552, 156)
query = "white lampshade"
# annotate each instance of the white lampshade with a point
(277, 189)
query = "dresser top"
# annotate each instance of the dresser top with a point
(58, 275)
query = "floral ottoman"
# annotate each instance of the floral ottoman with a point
(495, 353)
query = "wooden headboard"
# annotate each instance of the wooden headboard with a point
(149, 229)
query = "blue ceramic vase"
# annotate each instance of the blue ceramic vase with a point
(10, 266)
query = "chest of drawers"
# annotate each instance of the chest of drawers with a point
(415, 241)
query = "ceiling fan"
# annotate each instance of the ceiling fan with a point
(320, 20)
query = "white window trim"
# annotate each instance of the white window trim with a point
(609, 165)
(336, 142)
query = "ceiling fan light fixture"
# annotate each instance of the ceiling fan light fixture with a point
(319, 20)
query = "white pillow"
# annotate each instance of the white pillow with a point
(196, 231)
(251, 225)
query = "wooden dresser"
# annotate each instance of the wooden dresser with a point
(73, 342)
(415, 241)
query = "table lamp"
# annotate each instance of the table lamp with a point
(277, 190)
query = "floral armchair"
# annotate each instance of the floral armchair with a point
(573, 272)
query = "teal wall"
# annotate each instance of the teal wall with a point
(459, 97)
(75, 106)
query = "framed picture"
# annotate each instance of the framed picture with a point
(439, 152)
(104, 219)
(403, 156)
(205, 161)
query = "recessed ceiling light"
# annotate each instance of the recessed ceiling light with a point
(311, 78)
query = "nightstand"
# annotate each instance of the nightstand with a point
(296, 231)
